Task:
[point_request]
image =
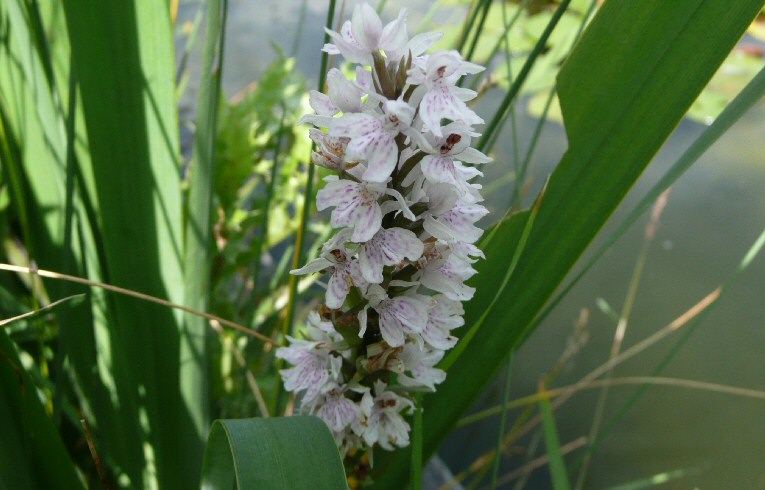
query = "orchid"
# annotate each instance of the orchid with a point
(404, 209)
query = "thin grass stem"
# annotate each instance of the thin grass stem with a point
(508, 25)
(621, 329)
(750, 95)
(627, 406)
(135, 294)
(252, 302)
(416, 470)
(539, 462)
(499, 116)
(468, 26)
(486, 6)
(251, 381)
(304, 215)
(502, 422)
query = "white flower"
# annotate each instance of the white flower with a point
(398, 317)
(416, 46)
(442, 99)
(447, 276)
(355, 206)
(344, 95)
(452, 148)
(466, 251)
(364, 35)
(393, 158)
(445, 316)
(345, 273)
(420, 364)
(315, 369)
(388, 247)
(373, 137)
(457, 224)
(331, 150)
(384, 424)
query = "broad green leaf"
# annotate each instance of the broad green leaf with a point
(122, 54)
(31, 454)
(198, 238)
(625, 87)
(57, 216)
(274, 453)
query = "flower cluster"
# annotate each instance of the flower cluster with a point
(398, 138)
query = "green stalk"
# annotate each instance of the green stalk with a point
(621, 328)
(515, 88)
(416, 471)
(502, 422)
(252, 302)
(198, 254)
(506, 31)
(516, 201)
(468, 25)
(305, 214)
(486, 6)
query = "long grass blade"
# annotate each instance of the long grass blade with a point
(557, 466)
(198, 235)
(744, 101)
(496, 121)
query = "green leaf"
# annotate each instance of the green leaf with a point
(122, 54)
(625, 87)
(557, 466)
(198, 248)
(30, 441)
(274, 453)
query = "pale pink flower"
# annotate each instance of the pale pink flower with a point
(331, 150)
(355, 206)
(398, 317)
(442, 99)
(443, 317)
(345, 273)
(449, 150)
(420, 363)
(447, 276)
(388, 247)
(316, 370)
(457, 224)
(343, 96)
(384, 424)
(364, 34)
(372, 137)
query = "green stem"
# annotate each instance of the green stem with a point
(416, 473)
(306, 212)
(515, 88)
(502, 423)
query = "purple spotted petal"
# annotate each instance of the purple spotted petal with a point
(337, 289)
(388, 247)
(381, 152)
(321, 104)
(401, 315)
(336, 193)
(367, 219)
(439, 169)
